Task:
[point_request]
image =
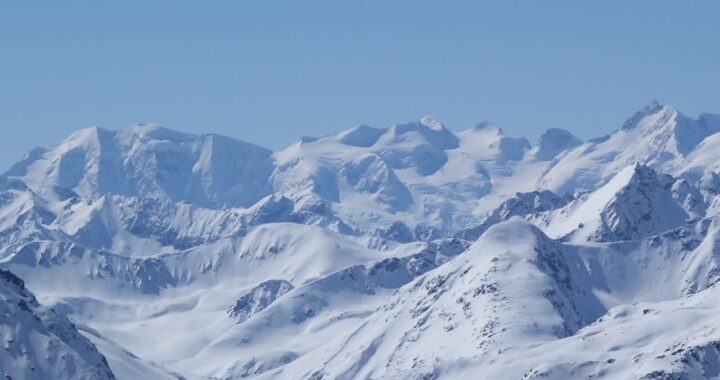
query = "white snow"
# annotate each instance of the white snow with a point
(402, 252)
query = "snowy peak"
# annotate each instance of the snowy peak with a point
(361, 136)
(553, 142)
(432, 122)
(489, 136)
(515, 232)
(232, 172)
(144, 133)
(689, 133)
(340, 256)
(650, 109)
(529, 205)
(150, 161)
(471, 308)
(92, 138)
(665, 125)
(657, 136)
(428, 130)
(638, 202)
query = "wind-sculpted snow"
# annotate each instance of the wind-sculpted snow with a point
(404, 252)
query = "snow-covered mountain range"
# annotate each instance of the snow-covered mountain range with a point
(408, 252)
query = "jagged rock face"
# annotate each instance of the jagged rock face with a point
(637, 203)
(40, 344)
(258, 298)
(651, 211)
(146, 275)
(532, 206)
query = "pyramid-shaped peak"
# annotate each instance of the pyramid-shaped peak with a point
(631, 175)
(636, 172)
(651, 108)
(653, 105)
(639, 176)
(91, 137)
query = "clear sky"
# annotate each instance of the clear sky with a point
(269, 72)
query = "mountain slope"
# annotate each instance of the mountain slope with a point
(520, 305)
(637, 203)
(657, 136)
(149, 161)
(471, 307)
(40, 344)
(403, 252)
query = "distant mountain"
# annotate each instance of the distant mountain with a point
(149, 162)
(657, 136)
(408, 252)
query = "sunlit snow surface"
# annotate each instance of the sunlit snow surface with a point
(408, 252)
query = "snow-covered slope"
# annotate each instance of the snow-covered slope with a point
(40, 344)
(294, 324)
(638, 202)
(658, 136)
(403, 252)
(149, 161)
(473, 306)
(517, 295)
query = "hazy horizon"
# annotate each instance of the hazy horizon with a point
(271, 73)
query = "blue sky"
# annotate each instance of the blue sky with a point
(269, 72)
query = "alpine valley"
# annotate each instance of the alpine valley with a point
(408, 252)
